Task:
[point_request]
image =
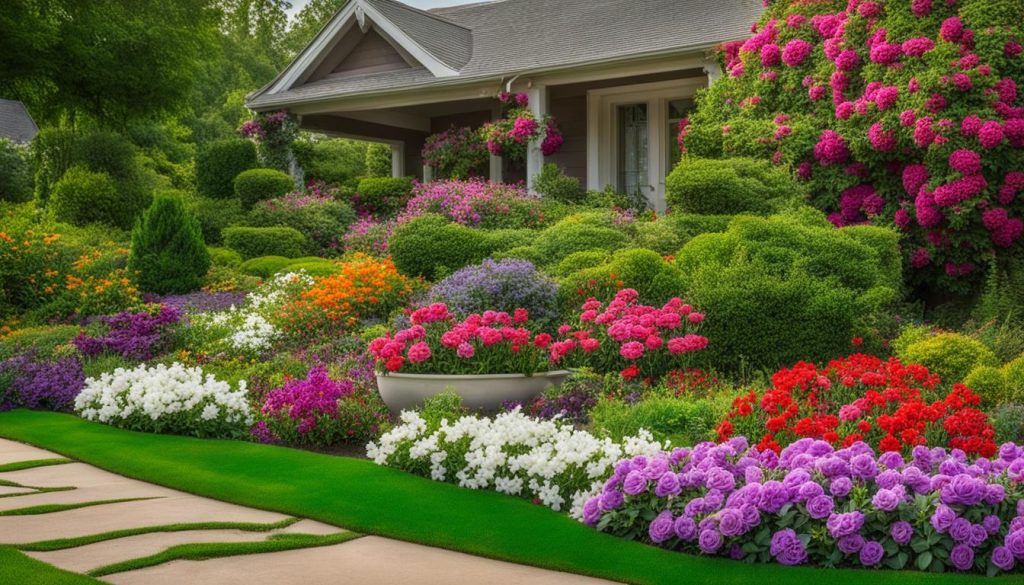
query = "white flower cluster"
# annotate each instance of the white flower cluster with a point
(248, 329)
(174, 399)
(511, 453)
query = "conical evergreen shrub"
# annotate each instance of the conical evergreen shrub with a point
(168, 251)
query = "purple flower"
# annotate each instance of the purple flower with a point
(943, 518)
(668, 485)
(611, 500)
(720, 479)
(730, 522)
(635, 483)
(685, 528)
(864, 466)
(902, 532)
(840, 487)
(871, 553)
(960, 530)
(1015, 542)
(774, 495)
(886, 500)
(662, 527)
(991, 523)
(850, 544)
(709, 541)
(962, 557)
(787, 548)
(132, 335)
(844, 524)
(1003, 558)
(820, 507)
(963, 489)
(592, 510)
(39, 384)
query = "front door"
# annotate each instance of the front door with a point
(633, 150)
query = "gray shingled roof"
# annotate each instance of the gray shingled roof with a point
(449, 42)
(15, 122)
(512, 36)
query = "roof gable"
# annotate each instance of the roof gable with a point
(15, 122)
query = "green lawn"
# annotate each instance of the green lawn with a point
(16, 567)
(366, 498)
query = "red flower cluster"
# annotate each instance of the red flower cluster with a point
(890, 405)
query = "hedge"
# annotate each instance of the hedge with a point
(252, 242)
(219, 163)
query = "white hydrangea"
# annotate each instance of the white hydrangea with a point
(161, 398)
(511, 453)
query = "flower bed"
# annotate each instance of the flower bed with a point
(893, 406)
(132, 335)
(547, 461)
(817, 505)
(162, 399)
(475, 203)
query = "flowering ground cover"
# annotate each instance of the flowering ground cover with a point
(376, 500)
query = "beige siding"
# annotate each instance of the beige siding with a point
(466, 119)
(373, 54)
(571, 115)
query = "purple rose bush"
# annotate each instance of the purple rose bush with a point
(816, 505)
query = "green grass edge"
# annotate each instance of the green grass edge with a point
(66, 543)
(52, 508)
(370, 499)
(19, 465)
(17, 567)
(213, 550)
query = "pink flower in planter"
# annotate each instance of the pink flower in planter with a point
(523, 129)
(419, 352)
(522, 100)
(632, 350)
(465, 351)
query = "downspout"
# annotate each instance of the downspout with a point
(508, 86)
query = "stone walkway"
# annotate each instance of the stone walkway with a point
(368, 560)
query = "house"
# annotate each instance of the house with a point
(617, 76)
(16, 124)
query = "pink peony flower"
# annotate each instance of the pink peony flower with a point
(465, 351)
(770, 55)
(831, 148)
(990, 135)
(965, 162)
(917, 46)
(632, 350)
(419, 352)
(796, 52)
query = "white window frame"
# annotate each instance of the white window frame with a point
(603, 128)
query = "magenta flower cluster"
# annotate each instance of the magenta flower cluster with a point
(813, 504)
(471, 203)
(132, 335)
(303, 411)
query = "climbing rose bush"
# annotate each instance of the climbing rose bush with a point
(890, 405)
(171, 399)
(905, 113)
(548, 461)
(814, 504)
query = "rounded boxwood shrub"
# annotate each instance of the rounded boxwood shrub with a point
(321, 219)
(257, 185)
(252, 242)
(950, 355)
(1013, 371)
(430, 245)
(573, 235)
(378, 160)
(579, 261)
(989, 382)
(668, 233)
(729, 186)
(216, 214)
(643, 270)
(168, 252)
(520, 253)
(223, 257)
(313, 266)
(219, 163)
(384, 196)
(264, 266)
(552, 183)
(506, 239)
(81, 197)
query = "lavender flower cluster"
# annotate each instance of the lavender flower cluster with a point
(199, 301)
(51, 385)
(132, 335)
(814, 504)
(505, 285)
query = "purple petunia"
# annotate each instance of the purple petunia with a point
(662, 528)
(871, 553)
(902, 532)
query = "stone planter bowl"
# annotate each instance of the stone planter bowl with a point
(485, 392)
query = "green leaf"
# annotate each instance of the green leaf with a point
(920, 545)
(924, 560)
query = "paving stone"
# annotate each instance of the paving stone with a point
(124, 515)
(76, 474)
(367, 561)
(307, 526)
(6, 490)
(13, 452)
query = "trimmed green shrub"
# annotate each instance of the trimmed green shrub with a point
(323, 221)
(950, 355)
(684, 421)
(81, 197)
(216, 214)
(167, 251)
(55, 151)
(313, 266)
(574, 235)
(384, 195)
(989, 382)
(378, 160)
(15, 172)
(255, 185)
(644, 270)
(520, 253)
(223, 257)
(430, 245)
(579, 261)
(264, 266)
(758, 319)
(252, 242)
(1014, 373)
(729, 186)
(52, 156)
(444, 405)
(333, 161)
(1008, 422)
(506, 239)
(668, 233)
(886, 244)
(909, 335)
(219, 163)
(554, 184)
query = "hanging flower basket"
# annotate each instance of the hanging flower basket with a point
(511, 135)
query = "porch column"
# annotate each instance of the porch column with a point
(428, 173)
(398, 160)
(534, 157)
(496, 169)
(712, 70)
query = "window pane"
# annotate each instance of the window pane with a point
(633, 148)
(678, 109)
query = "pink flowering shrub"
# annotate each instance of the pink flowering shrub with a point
(511, 135)
(475, 203)
(894, 113)
(457, 153)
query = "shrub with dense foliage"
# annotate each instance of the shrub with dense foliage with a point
(552, 183)
(891, 405)
(430, 245)
(475, 203)
(782, 289)
(216, 214)
(168, 253)
(334, 161)
(81, 197)
(15, 172)
(814, 504)
(456, 153)
(255, 185)
(645, 271)
(729, 186)
(382, 196)
(251, 242)
(317, 215)
(899, 112)
(950, 355)
(218, 163)
(29, 381)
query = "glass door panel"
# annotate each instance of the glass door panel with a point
(633, 149)
(677, 111)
